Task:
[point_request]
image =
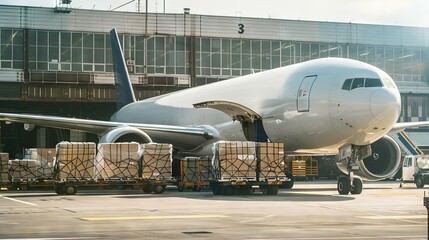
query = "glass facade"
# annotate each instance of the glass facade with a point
(11, 49)
(211, 58)
(90, 52)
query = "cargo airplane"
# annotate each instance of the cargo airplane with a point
(325, 106)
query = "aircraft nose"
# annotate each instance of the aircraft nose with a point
(385, 104)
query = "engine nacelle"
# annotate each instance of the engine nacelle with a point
(382, 163)
(125, 134)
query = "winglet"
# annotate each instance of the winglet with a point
(124, 89)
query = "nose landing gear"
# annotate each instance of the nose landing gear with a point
(348, 185)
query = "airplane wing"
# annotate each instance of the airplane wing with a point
(191, 137)
(404, 125)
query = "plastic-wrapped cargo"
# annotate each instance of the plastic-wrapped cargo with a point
(118, 161)
(75, 161)
(234, 161)
(45, 159)
(271, 160)
(156, 161)
(23, 169)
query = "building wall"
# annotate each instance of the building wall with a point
(50, 56)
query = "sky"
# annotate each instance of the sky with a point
(386, 12)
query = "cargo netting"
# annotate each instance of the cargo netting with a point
(271, 160)
(23, 169)
(157, 161)
(196, 170)
(75, 161)
(234, 161)
(118, 161)
(4, 167)
(45, 161)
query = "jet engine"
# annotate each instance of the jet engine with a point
(125, 134)
(381, 162)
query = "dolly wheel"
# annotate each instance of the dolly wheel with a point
(59, 190)
(70, 190)
(147, 188)
(159, 189)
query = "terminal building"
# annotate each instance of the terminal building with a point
(57, 61)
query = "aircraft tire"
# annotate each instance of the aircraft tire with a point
(419, 182)
(357, 186)
(343, 185)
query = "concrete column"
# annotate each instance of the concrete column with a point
(77, 136)
(41, 137)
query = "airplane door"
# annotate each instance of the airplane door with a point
(303, 96)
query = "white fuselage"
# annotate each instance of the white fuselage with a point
(314, 115)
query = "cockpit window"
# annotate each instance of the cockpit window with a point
(373, 82)
(352, 83)
(347, 84)
(357, 83)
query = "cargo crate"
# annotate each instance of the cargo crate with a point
(234, 161)
(75, 161)
(195, 172)
(118, 161)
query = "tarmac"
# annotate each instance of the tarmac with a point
(311, 210)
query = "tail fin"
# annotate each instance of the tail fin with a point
(124, 89)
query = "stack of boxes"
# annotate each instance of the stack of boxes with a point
(118, 161)
(45, 160)
(4, 167)
(25, 169)
(271, 160)
(75, 161)
(235, 160)
(156, 161)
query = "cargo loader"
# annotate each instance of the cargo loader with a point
(244, 167)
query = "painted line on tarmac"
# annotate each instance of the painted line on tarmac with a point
(395, 217)
(363, 237)
(16, 200)
(152, 217)
(68, 238)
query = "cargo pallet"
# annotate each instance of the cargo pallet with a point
(27, 184)
(70, 187)
(244, 167)
(195, 173)
(233, 187)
